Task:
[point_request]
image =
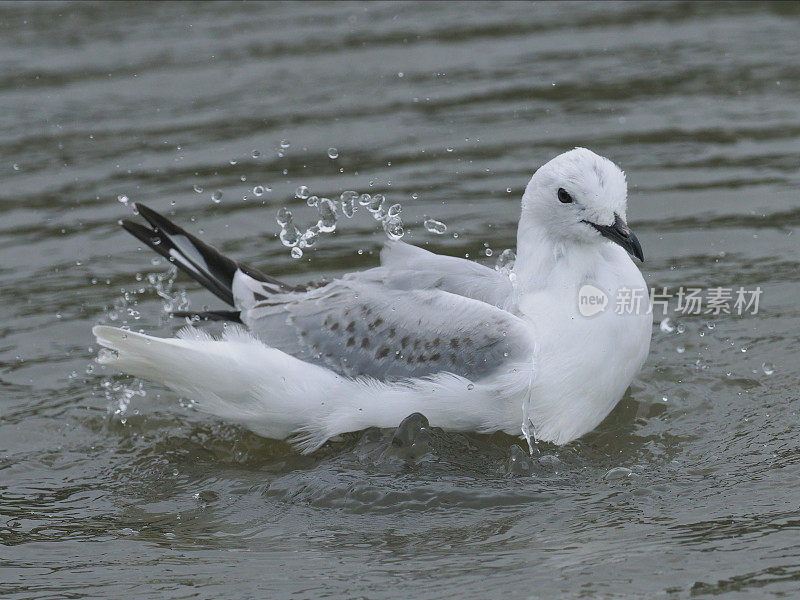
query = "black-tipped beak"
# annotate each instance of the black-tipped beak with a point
(621, 234)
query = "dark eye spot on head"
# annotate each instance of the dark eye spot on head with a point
(563, 196)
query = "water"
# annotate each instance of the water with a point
(689, 488)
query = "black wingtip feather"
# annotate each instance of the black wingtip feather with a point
(215, 271)
(233, 316)
(216, 275)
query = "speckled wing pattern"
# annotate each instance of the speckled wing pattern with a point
(359, 326)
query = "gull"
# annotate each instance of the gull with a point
(472, 348)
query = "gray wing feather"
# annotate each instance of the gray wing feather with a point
(358, 326)
(404, 266)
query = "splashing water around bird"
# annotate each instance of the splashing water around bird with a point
(328, 213)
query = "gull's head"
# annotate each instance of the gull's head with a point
(580, 197)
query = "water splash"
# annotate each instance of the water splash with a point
(349, 206)
(527, 427)
(505, 261)
(124, 313)
(375, 206)
(434, 226)
(328, 214)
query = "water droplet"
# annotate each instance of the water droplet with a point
(258, 190)
(471, 386)
(312, 200)
(376, 203)
(122, 198)
(435, 226)
(680, 349)
(327, 215)
(768, 368)
(488, 252)
(348, 200)
(666, 326)
(505, 262)
(449, 148)
(333, 153)
(680, 328)
(15, 166)
(394, 210)
(284, 216)
(255, 153)
(296, 252)
(302, 192)
(309, 238)
(393, 227)
(216, 197)
(290, 235)
(197, 188)
(364, 199)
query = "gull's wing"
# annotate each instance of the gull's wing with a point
(408, 267)
(359, 327)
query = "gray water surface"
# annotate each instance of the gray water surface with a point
(115, 488)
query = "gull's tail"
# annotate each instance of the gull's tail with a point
(236, 378)
(199, 260)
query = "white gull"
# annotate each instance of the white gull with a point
(471, 348)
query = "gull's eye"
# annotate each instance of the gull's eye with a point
(563, 196)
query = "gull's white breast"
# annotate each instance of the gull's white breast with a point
(583, 365)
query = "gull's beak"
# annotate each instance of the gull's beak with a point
(621, 234)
